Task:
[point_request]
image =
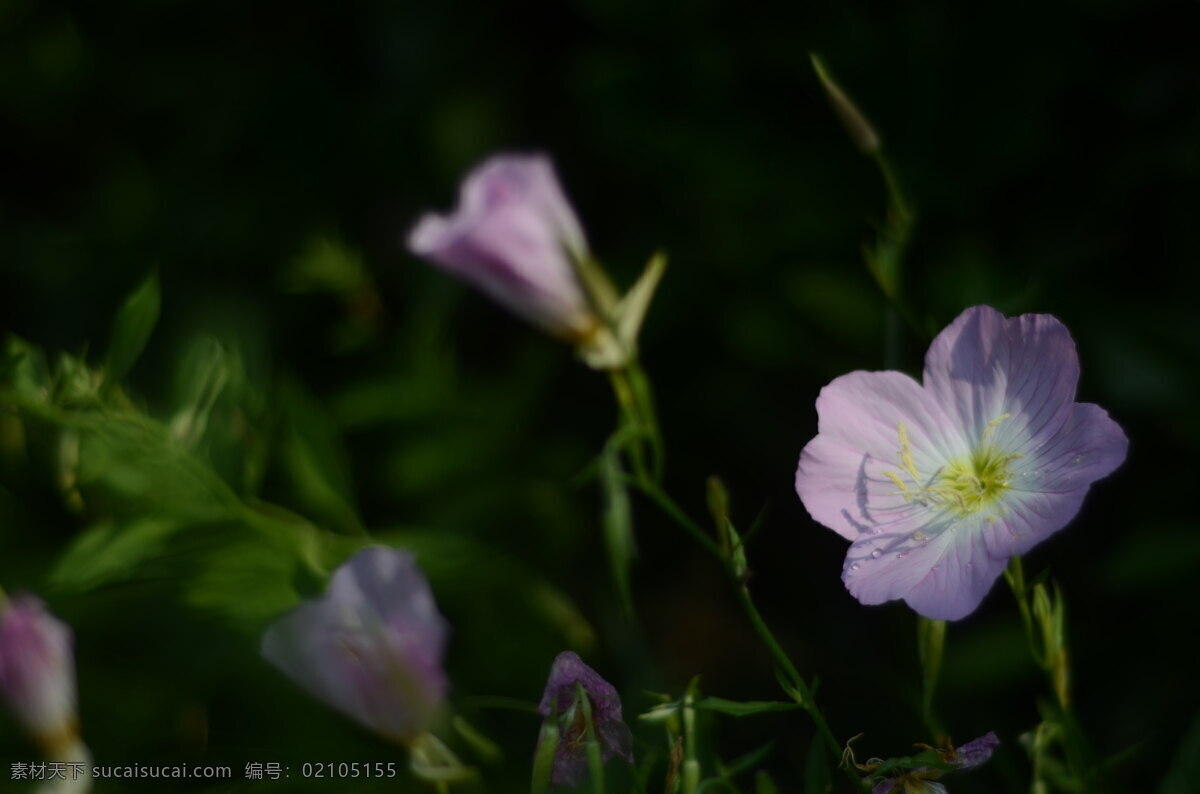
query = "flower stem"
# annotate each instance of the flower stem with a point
(595, 760)
(632, 390)
(797, 688)
(931, 640)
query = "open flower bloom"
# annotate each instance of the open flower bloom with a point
(938, 484)
(372, 647)
(561, 702)
(37, 672)
(922, 780)
(515, 236)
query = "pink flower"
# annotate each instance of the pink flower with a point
(372, 647)
(515, 236)
(37, 670)
(938, 484)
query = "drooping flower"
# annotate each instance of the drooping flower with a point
(563, 705)
(372, 647)
(515, 236)
(37, 672)
(921, 779)
(938, 484)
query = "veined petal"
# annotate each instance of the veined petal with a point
(843, 475)
(1050, 483)
(1088, 447)
(942, 570)
(1010, 377)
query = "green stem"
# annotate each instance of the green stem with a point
(632, 390)
(668, 506)
(801, 692)
(595, 760)
(631, 419)
(1014, 574)
(931, 639)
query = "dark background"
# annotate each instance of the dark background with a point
(268, 159)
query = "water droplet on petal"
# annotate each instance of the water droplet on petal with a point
(1078, 459)
(854, 566)
(903, 554)
(970, 565)
(875, 555)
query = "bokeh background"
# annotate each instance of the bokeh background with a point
(267, 160)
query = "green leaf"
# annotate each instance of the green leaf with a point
(543, 758)
(817, 777)
(111, 551)
(720, 705)
(631, 310)
(24, 370)
(314, 461)
(618, 524)
(482, 746)
(132, 328)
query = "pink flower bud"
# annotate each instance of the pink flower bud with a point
(514, 236)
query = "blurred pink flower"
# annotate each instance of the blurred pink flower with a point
(371, 647)
(514, 236)
(37, 671)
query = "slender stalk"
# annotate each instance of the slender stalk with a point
(801, 692)
(1014, 574)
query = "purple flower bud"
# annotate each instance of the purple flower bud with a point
(514, 236)
(37, 670)
(561, 702)
(372, 647)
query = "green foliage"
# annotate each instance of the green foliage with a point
(132, 328)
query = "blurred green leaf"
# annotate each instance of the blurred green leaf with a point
(132, 328)
(314, 461)
(111, 551)
(204, 372)
(818, 779)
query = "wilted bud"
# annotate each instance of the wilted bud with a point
(37, 672)
(570, 681)
(372, 647)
